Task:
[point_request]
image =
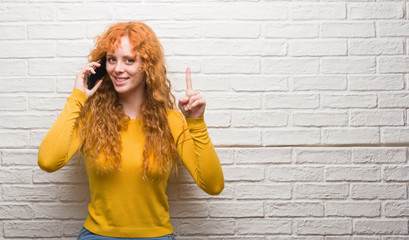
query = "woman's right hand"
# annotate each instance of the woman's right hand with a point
(82, 79)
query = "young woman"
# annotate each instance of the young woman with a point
(131, 137)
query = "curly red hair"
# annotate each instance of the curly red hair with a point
(102, 118)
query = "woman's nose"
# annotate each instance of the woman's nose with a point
(119, 67)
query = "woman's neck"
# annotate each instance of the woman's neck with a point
(131, 104)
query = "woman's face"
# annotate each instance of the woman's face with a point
(123, 67)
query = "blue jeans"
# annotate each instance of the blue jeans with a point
(87, 235)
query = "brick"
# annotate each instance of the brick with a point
(36, 136)
(259, 83)
(295, 174)
(235, 137)
(177, 30)
(33, 229)
(55, 31)
(395, 64)
(393, 100)
(183, 209)
(29, 193)
(231, 30)
(73, 193)
(290, 65)
(203, 226)
(263, 226)
(395, 135)
(231, 65)
(348, 100)
(322, 155)
(320, 191)
(396, 209)
(47, 103)
(258, 119)
(218, 119)
(47, 67)
(396, 173)
(243, 173)
(392, 28)
(376, 47)
(262, 155)
(233, 101)
(375, 10)
(13, 138)
(13, 31)
(353, 65)
(291, 30)
(25, 121)
(318, 11)
(144, 12)
(295, 209)
(378, 191)
(226, 155)
(377, 118)
(352, 174)
(377, 226)
(31, 84)
(191, 191)
(374, 83)
(200, 47)
(203, 83)
(84, 12)
(260, 11)
(16, 175)
(291, 100)
(302, 83)
(263, 191)
(350, 136)
(13, 67)
(237, 209)
(21, 157)
(214, 11)
(16, 211)
(320, 119)
(26, 49)
(291, 136)
(347, 29)
(66, 175)
(27, 13)
(72, 228)
(73, 48)
(60, 211)
(258, 48)
(13, 103)
(312, 48)
(379, 155)
(352, 209)
(324, 226)
(234, 238)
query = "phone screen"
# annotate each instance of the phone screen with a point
(100, 72)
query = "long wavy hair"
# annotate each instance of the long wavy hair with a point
(102, 119)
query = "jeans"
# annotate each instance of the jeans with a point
(87, 235)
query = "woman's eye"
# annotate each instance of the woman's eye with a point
(130, 60)
(111, 60)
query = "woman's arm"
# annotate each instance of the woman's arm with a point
(199, 157)
(62, 141)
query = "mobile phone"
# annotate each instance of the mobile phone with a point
(100, 72)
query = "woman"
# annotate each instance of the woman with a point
(131, 137)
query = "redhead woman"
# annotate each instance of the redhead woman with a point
(131, 137)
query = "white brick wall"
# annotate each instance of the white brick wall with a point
(307, 106)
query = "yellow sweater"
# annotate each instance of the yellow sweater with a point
(122, 203)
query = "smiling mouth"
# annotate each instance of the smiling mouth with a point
(119, 79)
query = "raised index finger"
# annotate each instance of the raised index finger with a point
(188, 80)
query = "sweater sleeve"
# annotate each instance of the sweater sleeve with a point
(62, 141)
(199, 157)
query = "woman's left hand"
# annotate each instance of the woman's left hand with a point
(193, 104)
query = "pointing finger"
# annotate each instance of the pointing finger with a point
(188, 80)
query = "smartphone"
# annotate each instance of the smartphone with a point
(100, 72)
